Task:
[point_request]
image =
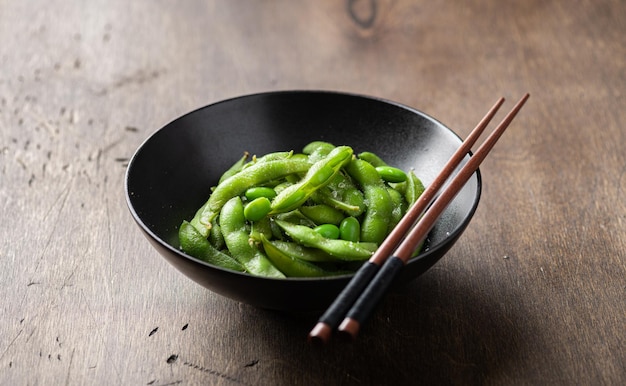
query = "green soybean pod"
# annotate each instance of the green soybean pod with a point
(318, 176)
(414, 188)
(261, 228)
(290, 266)
(296, 217)
(235, 168)
(350, 229)
(399, 207)
(301, 252)
(330, 231)
(317, 150)
(322, 214)
(194, 244)
(375, 223)
(391, 174)
(372, 158)
(342, 194)
(318, 146)
(238, 183)
(341, 249)
(279, 155)
(237, 240)
(216, 238)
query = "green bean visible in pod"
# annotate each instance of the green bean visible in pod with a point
(237, 240)
(372, 158)
(391, 174)
(317, 150)
(257, 209)
(342, 194)
(296, 217)
(289, 265)
(279, 155)
(414, 188)
(330, 231)
(301, 252)
(350, 229)
(322, 214)
(240, 182)
(259, 191)
(318, 176)
(399, 208)
(341, 249)
(216, 238)
(194, 244)
(375, 223)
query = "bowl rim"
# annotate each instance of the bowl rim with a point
(431, 250)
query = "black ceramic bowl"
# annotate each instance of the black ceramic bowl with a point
(170, 176)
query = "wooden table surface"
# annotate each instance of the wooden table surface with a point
(533, 292)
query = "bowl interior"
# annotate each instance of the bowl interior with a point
(171, 174)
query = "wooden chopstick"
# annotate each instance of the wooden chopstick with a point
(338, 309)
(371, 282)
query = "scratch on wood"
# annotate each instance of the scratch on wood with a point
(211, 372)
(99, 334)
(62, 198)
(11, 344)
(69, 367)
(153, 331)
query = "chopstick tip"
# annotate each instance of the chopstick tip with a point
(320, 334)
(349, 329)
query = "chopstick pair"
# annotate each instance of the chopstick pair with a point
(358, 299)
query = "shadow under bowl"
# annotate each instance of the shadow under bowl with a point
(170, 176)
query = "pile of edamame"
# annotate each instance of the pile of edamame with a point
(321, 212)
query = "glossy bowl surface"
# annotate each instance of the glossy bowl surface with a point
(170, 175)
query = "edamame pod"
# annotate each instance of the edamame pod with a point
(318, 176)
(379, 206)
(399, 208)
(301, 252)
(237, 184)
(233, 225)
(322, 214)
(372, 158)
(216, 238)
(194, 244)
(341, 249)
(235, 168)
(342, 194)
(289, 265)
(414, 188)
(317, 150)
(279, 155)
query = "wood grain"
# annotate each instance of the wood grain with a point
(532, 294)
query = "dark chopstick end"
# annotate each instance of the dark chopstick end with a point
(348, 330)
(320, 334)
